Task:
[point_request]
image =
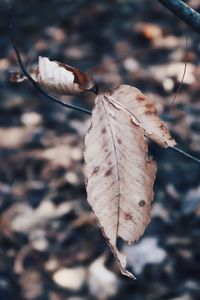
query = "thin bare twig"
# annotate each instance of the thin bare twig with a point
(183, 12)
(187, 155)
(184, 71)
(52, 98)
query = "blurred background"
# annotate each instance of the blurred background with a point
(50, 245)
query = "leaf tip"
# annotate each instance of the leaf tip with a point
(127, 274)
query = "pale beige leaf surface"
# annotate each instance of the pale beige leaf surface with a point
(142, 112)
(119, 176)
(59, 78)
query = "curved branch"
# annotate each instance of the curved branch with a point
(183, 12)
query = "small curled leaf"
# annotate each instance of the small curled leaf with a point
(59, 78)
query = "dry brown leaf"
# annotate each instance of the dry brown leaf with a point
(59, 78)
(119, 176)
(143, 113)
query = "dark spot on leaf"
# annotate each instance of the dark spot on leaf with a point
(109, 172)
(119, 141)
(112, 116)
(128, 217)
(101, 119)
(150, 112)
(96, 169)
(142, 203)
(103, 130)
(149, 106)
(151, 109)
(140, 97)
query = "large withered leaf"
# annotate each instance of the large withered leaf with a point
(119, 176)
(59, 78)
(143, 113)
